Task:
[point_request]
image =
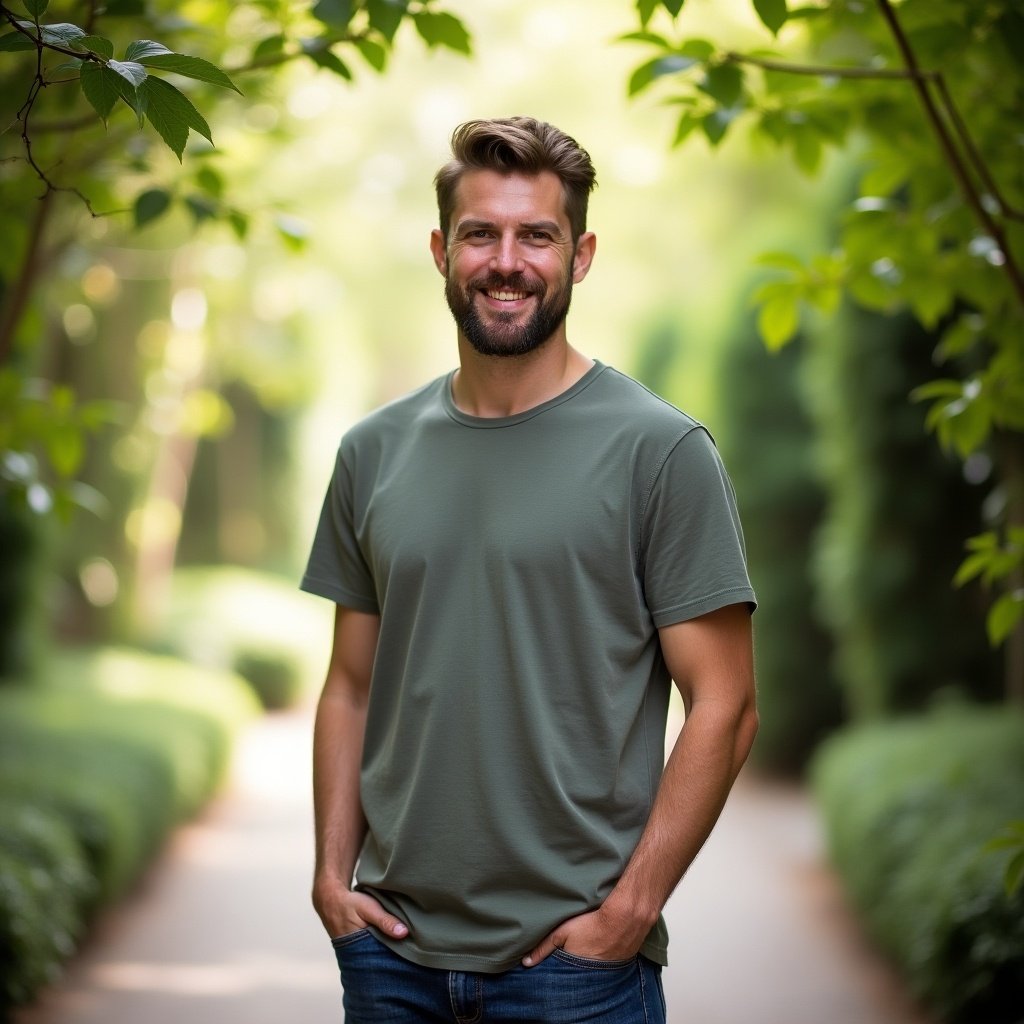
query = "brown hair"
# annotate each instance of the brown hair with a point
(518, 145)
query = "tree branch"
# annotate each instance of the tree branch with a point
(829, 70)
(18, 295)
(922, 80)
(42, 44)
(976, 159)
(949, 150)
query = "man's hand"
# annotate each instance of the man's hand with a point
(602, 934)
(343, 911)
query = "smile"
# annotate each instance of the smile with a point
(506, 296)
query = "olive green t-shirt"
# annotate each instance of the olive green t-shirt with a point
(521, 567)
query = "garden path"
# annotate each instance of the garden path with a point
(220, 930)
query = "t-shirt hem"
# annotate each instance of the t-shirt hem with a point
(657, 954)
(703, 605)
(446, 961)
(339, 595)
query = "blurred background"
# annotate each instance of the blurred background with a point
(818, 260)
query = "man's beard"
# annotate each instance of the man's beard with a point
(504, 336)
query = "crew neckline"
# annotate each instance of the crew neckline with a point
(490, 422)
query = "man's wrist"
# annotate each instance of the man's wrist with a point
(324, 875)
(631, 913)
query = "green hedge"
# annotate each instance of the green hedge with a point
(255, 624)
(909, 807)
(98, 763)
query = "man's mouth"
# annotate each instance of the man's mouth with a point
(504, 295)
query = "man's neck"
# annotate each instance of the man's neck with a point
(496, 386)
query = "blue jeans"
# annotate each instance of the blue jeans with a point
(381, 987)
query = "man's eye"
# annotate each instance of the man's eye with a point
(539, 236)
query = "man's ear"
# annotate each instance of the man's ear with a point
(439, 250)
(586, 246)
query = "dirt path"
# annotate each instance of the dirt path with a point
(220, 932)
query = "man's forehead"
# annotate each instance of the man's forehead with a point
(482, 194)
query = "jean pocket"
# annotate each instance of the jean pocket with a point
(589, 964)
(349, 938)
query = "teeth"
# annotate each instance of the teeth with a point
(508, 296)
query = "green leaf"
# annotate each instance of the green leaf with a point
(723, 83)
(331, 61)
(172, 113)
(15, 41)
(150, 205)
(938, 389)
(779, 318)
(647, 73)
(66, 448)
(644, 37)
(201, 208)
(239, 224)
(686, 124)
(672, 6)
(135, 98)
(441, 29)
(772, 13)
(101, 87)
(294, 231)
(373, 53)
(1004, 616)
(645, 9)
(210, 181)
(716, 124)
(129, 70)
(699, 49)
(386, 15)
(144, 48)
(929, 298)
(806, 148)
(1014, 874)
(971, 568)
(190, 67)
(781, 261)
(63, 33)
(95, 44)
(36, 7)
(336, 13)
(268, 47)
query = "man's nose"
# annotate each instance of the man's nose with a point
(507, 259)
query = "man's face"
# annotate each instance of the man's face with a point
(509, 262)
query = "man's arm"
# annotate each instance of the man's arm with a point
(337, 754)
(711, 660)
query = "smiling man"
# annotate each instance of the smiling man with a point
(524, 555)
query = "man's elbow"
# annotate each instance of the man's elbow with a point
(746, 731)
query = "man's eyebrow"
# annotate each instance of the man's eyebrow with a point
(543, 225)
(472, 224)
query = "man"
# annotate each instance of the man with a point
(524, 554)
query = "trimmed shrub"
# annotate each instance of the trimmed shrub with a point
(273, 675)
(98, 763)
(257, 625)
(45, 886)
(909, 807)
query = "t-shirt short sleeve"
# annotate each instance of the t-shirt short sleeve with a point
(692, 553)
(337, 569)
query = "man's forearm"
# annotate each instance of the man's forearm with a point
(707, 756)
(338, 813)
